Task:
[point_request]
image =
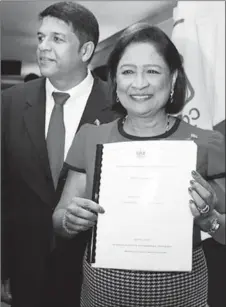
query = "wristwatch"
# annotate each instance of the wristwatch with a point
(214, 226)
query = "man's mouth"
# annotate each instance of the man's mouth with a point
(45, 59)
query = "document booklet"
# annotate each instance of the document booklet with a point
(143, 187)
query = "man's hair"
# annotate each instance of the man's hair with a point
(83, 21)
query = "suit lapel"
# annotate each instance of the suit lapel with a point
(34, 119)
(95, 104)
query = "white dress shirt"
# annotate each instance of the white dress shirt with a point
(73, 108)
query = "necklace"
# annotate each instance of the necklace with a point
(167, 125)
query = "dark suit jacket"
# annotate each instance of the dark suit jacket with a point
(28, 195)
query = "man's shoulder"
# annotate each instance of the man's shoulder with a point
(23, 87)
(101, 101)
(103, 87)
(92, 131)
(15, 96)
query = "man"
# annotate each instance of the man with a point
(37, 131)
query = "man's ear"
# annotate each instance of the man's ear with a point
(87, 51)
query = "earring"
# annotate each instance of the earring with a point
(171, 95)
(117, 99)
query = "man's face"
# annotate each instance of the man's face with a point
(58, 50)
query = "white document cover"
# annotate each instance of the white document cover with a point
(147, 224)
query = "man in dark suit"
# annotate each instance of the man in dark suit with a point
(45, 271)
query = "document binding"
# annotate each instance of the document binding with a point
(95, 197)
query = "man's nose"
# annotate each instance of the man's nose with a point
(44, 44)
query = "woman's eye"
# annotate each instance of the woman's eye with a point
(127, 72)
(152, 71)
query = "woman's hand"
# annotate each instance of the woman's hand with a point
(80, 215)
(203, 203)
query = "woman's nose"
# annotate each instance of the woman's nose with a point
(140, 81)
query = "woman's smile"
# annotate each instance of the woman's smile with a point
(141, 97)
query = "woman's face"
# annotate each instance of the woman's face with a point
(143, 80)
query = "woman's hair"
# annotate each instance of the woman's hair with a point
(83, 21)
(142, 33)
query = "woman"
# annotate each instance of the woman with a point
(148, 85)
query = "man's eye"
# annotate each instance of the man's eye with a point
(127, 72)
(40, 38)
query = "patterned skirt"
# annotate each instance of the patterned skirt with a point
(124, 288)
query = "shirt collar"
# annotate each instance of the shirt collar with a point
(78, 90)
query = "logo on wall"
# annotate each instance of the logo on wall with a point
(194, 113)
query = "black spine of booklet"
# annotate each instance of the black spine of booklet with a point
(95, 197)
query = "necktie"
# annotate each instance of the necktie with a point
(56, 136)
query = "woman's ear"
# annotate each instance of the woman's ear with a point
(87, 51)
(174, 78)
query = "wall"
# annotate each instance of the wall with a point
(164, 21)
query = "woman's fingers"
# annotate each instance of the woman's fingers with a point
(78, 224)
(87, 204)
(202, 193)
(195, 212)
(201, 205)
(81, 214)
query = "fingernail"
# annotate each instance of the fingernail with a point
(191, 201)
(192, 182)
(194, 173)
(101, 210)
(190, 190)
